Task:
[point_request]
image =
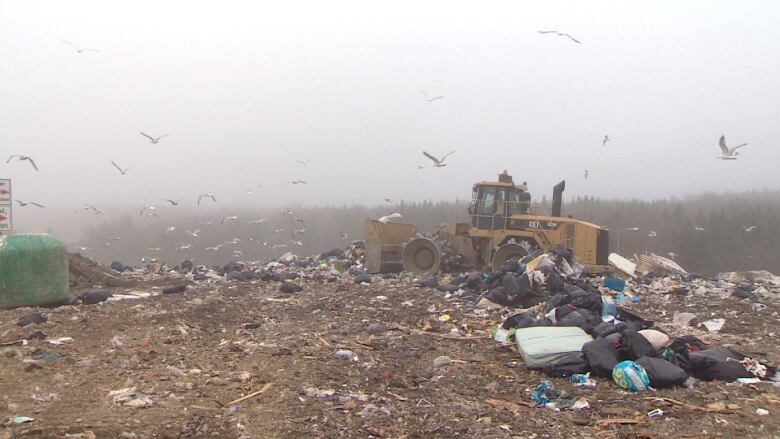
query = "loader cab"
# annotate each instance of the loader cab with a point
(492, 203)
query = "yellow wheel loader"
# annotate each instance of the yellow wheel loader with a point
(505, 225)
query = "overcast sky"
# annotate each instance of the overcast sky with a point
(245, 88)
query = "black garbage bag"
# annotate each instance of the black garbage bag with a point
(521, 320)
(289, 288)
(95, 296)
(634, 345)
(556, 301)
(717, 364)
(334, 253)
(554, 282)
(447, 288)
(431, 282)
(601, 356)
(604, 329)
(363, 277)
(565, 253)
(586, 300)
(662, 373)
(581, 318)
(633, 321)
(567, 368)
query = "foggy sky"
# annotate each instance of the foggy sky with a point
(245, 88)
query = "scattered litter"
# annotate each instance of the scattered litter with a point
(60, 340)
(762, 412)
(583, 380)
(714, 325)
(684, 318)
(441, 361)
(314, 392)
(655, 413)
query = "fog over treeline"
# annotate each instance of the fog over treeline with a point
(723, 245)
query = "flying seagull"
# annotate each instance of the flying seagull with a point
(728, 153)
(633, 229)
(80, 49)
(586, 174)
(121, 171)
(201, 196)
(749, 228)
(174, 202)
(303, 162)
(652, 234)
(430, 100)
(438, 163)
(606, 139)
(153, 139)
(169, 230)
(295, 182)
(215, 248)
(388, 200)
(24, 203)
(560, 34)
(155, 249)
(257, 221)
(93, 208)
(22, 157)
(699, 228)
(145, 208)
(222, 221)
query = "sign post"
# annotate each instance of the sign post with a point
(6, 206)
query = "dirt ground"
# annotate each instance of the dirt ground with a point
(190, 355)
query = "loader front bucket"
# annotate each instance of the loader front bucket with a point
(385, 244)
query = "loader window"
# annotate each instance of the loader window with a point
(487, 202)
(513, 203)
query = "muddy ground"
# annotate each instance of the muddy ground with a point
(190, 355)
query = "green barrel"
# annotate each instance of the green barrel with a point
(33, 270)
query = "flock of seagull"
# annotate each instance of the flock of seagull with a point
(654, 234)
(437, 162)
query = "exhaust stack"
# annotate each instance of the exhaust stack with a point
(558, 198)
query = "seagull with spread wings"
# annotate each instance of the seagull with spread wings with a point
(430, 100)
(153, 139)
(25, 203)
(94, 209)
(728, 153)
(560, 34)
(78, 48)
(202, 196)
(174, 202)
(438, 163)
(121, 171)
(22, 158)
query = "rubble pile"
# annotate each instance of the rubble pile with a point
(316, 346)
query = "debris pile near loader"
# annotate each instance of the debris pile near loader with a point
(317, 346)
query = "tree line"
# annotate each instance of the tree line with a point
(705, 233)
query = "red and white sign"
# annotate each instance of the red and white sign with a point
(6, 200)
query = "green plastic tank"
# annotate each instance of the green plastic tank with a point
(33, 270)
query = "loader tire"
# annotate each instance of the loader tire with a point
(421, 256)
(508, 252)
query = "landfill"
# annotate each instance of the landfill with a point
(316, 346)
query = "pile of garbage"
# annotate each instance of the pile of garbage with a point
(571, 325)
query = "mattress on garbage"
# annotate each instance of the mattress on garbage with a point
(543, 345)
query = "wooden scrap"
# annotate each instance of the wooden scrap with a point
(715, 407)
(514, 407)
(436, 334)
(616, 421)
(251, 395)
